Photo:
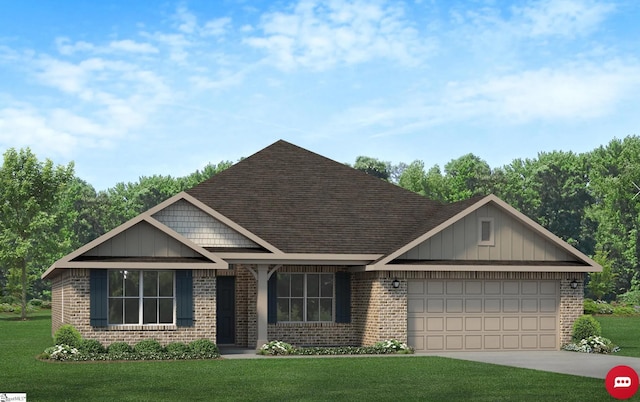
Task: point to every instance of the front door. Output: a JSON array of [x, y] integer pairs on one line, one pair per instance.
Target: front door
[[226, 310]]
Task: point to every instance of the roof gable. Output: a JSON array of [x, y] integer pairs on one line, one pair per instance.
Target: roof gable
[[519, 240], [133, 243]]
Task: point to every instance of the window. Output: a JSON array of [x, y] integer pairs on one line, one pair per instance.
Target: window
[[486, 235], [141, 297], [305, 297]]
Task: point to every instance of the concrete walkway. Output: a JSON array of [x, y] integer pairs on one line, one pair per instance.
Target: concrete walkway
[[581, 364]]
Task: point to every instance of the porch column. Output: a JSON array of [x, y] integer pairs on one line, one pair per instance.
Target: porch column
[[262, 275]]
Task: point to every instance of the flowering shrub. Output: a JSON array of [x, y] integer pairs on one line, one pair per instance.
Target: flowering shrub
[[61, 352], [592, 344], [392, 346], [275, 348]]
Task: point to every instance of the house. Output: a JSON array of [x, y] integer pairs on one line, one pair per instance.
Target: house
[[292, 246]]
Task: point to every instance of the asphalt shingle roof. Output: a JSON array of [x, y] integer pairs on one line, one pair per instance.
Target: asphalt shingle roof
[[302, 202]]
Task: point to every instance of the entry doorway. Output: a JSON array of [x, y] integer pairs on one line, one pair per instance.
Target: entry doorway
[[226, 310]]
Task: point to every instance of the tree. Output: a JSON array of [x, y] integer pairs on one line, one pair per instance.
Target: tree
[[31, 231], [466, 177], [614, 170], [373, 167], [602, 284], [413, 177]]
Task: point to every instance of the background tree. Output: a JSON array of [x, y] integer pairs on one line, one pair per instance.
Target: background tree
[[32, 232], [614, 170], [373, 167]]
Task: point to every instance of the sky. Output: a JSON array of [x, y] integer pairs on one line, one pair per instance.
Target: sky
[[136, 88]]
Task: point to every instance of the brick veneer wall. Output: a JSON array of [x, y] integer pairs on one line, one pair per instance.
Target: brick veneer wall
[[74, 310]]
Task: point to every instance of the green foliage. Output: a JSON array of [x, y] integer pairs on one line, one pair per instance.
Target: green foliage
[[119, 348], [584, 327], [204, 349], [91, 347], [178, 350], [626, 310], [32, 228], [597, 307], [631, 297], [602, 284], [67, 335], [592, 344], [148, 348], [373, 167], [275, 348]]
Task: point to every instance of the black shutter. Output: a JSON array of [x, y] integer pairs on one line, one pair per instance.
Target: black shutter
[[184, 298], [343, 297], [98, 309], [272, 299]]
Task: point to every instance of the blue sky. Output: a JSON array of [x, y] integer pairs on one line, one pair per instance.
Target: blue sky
[[132, 88]]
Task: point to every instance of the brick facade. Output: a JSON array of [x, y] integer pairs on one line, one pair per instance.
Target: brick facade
[[72, 295], [378, 311]]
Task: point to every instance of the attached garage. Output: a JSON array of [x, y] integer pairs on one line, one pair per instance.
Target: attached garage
[[475, 315]]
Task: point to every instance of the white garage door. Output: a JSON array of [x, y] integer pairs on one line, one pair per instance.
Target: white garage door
[[482, 314]]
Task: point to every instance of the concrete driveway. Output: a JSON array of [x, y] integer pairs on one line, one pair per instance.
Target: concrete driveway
[[582, 364]]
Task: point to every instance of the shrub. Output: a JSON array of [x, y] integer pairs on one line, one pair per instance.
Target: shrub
[[624, 310], [392, 346], [119, 348], [592, 344], [274, 348], [61, 352], [35, 302], [597, 307], [631, 298], [586, 326], [91, 347], [148, 348], [178, 350], [204, 349], [6, 308], [46, 304], [67, 335]]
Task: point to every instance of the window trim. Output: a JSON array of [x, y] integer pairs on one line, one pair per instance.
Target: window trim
[[492, 240], [305, 297], [141, 298]]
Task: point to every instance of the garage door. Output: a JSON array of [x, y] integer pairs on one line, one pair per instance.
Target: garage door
[[482, 314]]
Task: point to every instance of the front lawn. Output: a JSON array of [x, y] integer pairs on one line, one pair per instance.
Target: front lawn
[[343, 378], [623, 331]]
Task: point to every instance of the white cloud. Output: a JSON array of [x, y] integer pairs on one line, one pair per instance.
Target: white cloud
[[573, 93], [567, 18], [128, 45], [216, 27], [22, 127], [320, 35]]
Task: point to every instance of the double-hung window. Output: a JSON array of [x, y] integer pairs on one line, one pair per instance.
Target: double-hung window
[[141, 297], [305, 297]]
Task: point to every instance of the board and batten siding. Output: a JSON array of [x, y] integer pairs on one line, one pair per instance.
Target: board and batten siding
[[142, 240], [513, 241]]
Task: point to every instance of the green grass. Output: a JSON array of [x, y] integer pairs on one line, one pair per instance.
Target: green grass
[[277, 379], [623, 331]]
